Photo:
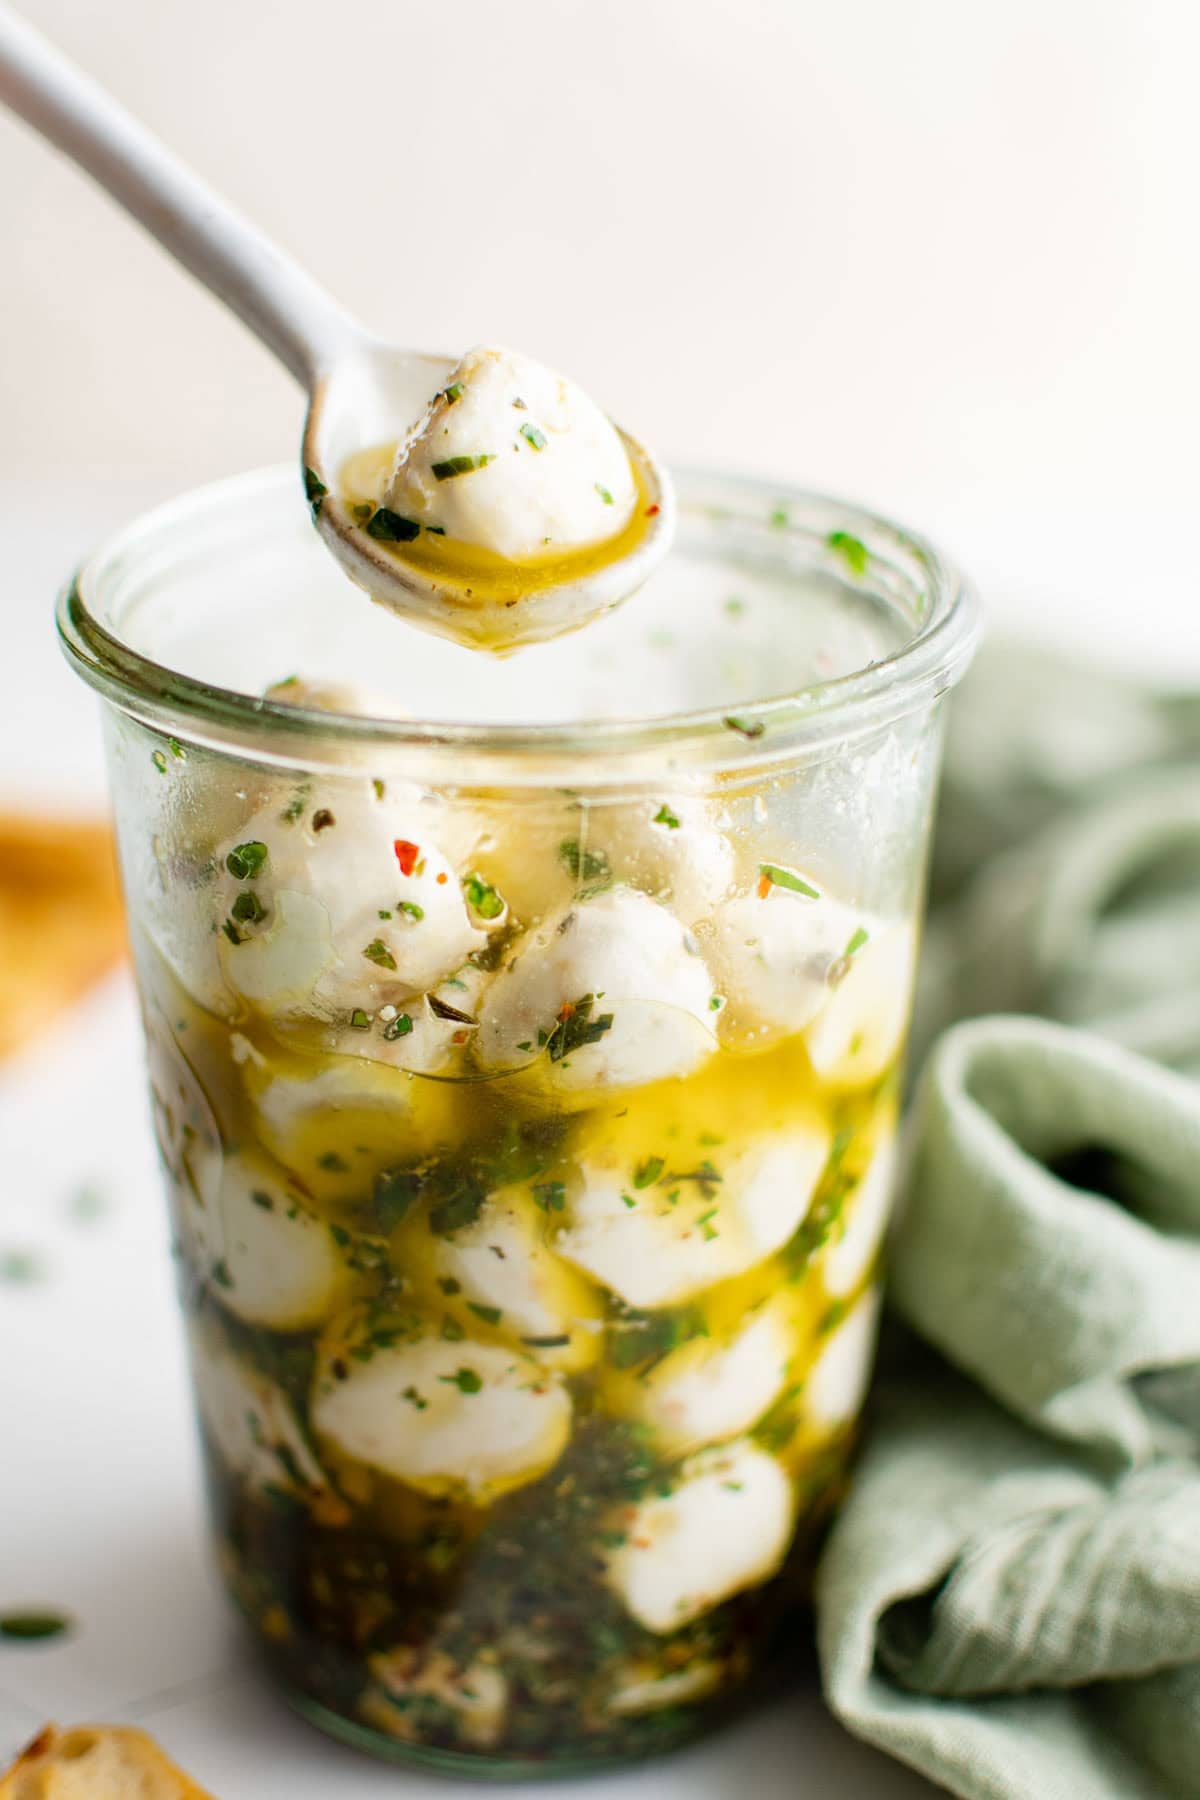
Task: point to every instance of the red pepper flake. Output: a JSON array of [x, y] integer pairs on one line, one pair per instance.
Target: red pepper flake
[[566, 1011], [441, 880], [406, 855], [651, 510], [765, 884], [460, 1037]]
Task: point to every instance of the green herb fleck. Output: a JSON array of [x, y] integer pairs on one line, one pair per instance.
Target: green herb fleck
[[379, 787], [787, 878], [378, 953], [664, 816], [19, 1265], [591, 865], [414, 1399], [558, 1342], [716, 1002], [452, 393], [359, 1020], [248, 908], [576, 1028], [535, 438], [551, 1196], [32, 1627], [246, 862], [159, 761], [459, 465], [220, 1273], [491, 1315], [735, 606], [482, 897], [314, 489], [335, 1164], [260, 1198], [856, 942], [177, 750], [604, 493], [779, 518], [452, 1331], [410, 909], [394, 1192], [448, 1285], [231, 932], [648, 1172], [389, 527], [341, 1236], [852, 551], [398, 1027], [466, 1381], [747, 728]]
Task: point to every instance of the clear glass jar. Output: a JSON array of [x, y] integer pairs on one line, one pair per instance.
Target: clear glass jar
[[526, 1092]]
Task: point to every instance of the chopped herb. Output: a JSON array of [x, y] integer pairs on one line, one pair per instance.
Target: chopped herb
[[262, 1199], [664, 816], [852, 551], [856, 942], [525, 1044], [576, 1028], [460, 1208], [559, 1341], [491, 1315], [177, 750], [855, 1044], [604, 493], [535, 438], [592, 865], [448, 1285], [359, 1020], [361, 510], [246, 862], [378, 953], [410, 909], [383, 913], [32, 1627], [705, 1223], [482, 897], [775, 876], [220, 1273], [551, 1196], [644, 1337], [648, 1172], [716, 1002], [389, 527], [466, 1381], [441, 1009], [231, 932], [414, 1399], [19, 1265], [747, 728], [248, 908], [379, 786], [778, 518], [459, 465], [452, 393], [314, 489], [159, 761], [436, 530], [735, 606], [340, 1236], [398, 1027], [452, 1331], [329, 1159], [394, 1192], [629, 1201]]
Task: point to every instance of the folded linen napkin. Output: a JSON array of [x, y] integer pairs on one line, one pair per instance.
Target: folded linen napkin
[[1010, 1601]]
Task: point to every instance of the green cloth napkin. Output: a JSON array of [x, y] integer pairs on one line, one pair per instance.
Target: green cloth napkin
[[1010, 1601]]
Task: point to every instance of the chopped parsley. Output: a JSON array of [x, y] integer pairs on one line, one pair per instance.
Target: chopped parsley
[[177, 750], [452, 1331], [775, 876], [591, 865], [246, 862], [335, 1164], [482, 897], [262, 1199], [389, 527], [394, 1193], [491, 1315], [664, 816], [604, 493], [159, 761], [576, 1028], [460, 465], [410, 909], [533, 437], [249, 908], [716, 1002], [551, 1196], [852, 550], [747, 728], [779, 518], [314, 489], [448, 1285], [231, 932], [414, 1399], [559, 1341], [646, 1337], [398, 1027], [466, 1381], [378, 953], [452, 393], [856, 942], [32, 1627], [648, 1172], [379, 786]]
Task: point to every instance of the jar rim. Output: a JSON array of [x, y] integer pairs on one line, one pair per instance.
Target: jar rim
[[910, 678]]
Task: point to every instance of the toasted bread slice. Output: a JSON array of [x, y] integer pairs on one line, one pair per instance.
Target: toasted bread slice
[[96, 1762], [61, 925]]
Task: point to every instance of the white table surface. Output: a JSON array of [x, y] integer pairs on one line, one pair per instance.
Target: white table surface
[[100, 1497]]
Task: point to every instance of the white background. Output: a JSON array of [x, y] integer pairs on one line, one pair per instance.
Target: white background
[[940, 255]]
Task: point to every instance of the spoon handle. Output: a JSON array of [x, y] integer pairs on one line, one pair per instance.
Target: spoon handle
[[293, 316]]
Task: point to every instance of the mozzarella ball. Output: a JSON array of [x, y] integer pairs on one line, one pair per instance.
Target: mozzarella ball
[[709, 1390], [613, 991], [475, 1695], [339, 1120], [514, 459], [724, 1527], [502, 1262], [659, 1215], [859, 1031], [837, 1381], [346, 905], [466, 1419], [269, 1258], [642, 1686], [249, 1422], [776, 956], [850, 1255]]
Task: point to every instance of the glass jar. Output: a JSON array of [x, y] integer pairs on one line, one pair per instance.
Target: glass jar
[[526, 1090]]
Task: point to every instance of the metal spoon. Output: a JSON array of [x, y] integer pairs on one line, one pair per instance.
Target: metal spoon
[[361, 391]]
